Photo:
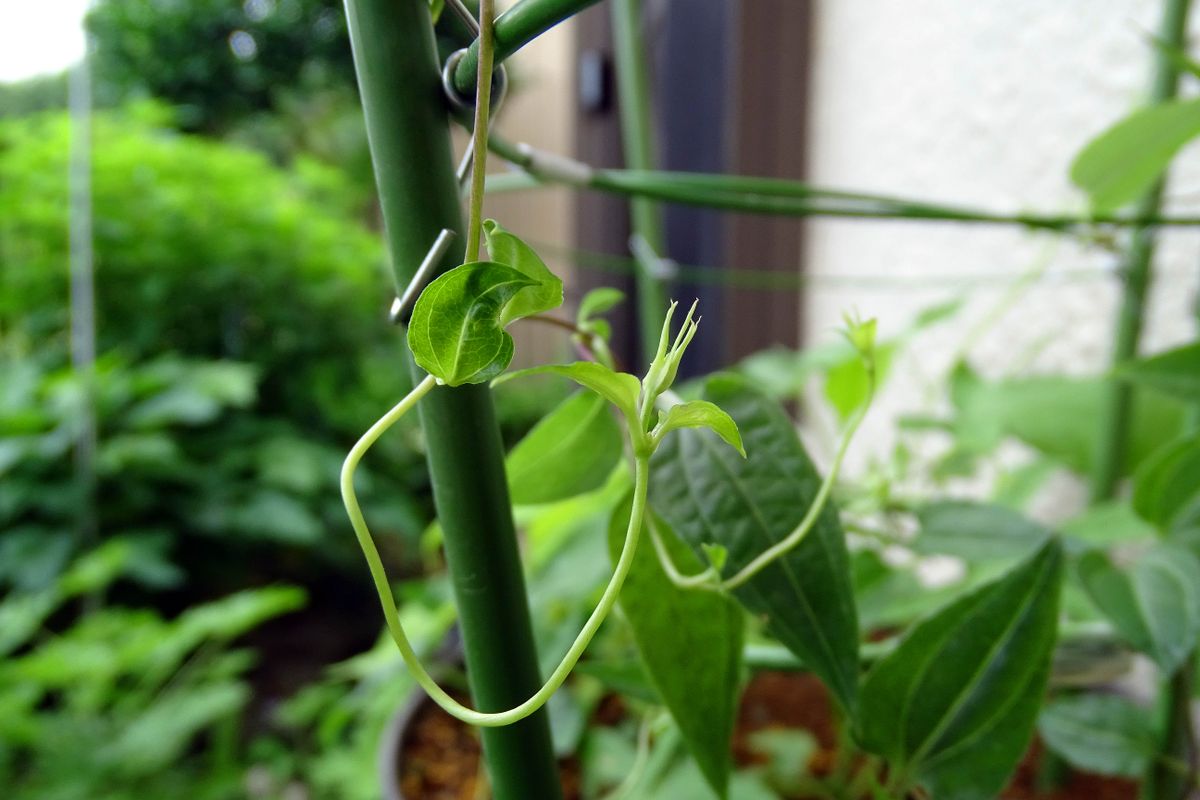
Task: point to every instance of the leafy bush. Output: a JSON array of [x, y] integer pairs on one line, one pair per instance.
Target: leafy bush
[[217, 60], [112, 705]]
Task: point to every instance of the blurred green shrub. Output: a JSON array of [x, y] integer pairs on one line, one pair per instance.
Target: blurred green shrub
[[113, 705], [218, 60], [240, 318]]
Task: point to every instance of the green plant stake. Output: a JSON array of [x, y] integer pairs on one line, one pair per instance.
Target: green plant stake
[[637, 135], [410, 145], [457, 333], [1137, 272]]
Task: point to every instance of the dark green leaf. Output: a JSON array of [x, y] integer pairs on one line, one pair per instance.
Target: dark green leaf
[[703, 414], [1124, 161], [691, 644], [570, 451], [953, 707], [976, 531], [1166, 488], [455, 334], [619, 388], [1154, 604], [1104, 734], [546, 291], [711, 495]]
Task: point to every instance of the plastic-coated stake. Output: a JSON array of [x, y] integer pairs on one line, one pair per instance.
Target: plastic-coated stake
[[399, 83]]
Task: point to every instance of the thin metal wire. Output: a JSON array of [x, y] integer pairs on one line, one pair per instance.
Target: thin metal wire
[[402, 304], [463, 13]]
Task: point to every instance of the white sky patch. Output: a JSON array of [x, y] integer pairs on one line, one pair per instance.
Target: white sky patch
[[39, 36]]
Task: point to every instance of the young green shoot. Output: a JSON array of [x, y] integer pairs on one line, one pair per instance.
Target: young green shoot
[[861, 336]]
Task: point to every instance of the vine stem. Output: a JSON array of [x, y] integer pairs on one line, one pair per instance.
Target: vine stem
[[479, 135], [388, 600], [710, 580]]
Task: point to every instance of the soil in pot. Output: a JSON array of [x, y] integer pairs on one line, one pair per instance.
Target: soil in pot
[[440, 759]]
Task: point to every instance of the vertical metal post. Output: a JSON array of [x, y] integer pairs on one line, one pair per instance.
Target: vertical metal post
[[637, 131], [82, 288], [1136, 274], [398, 77]]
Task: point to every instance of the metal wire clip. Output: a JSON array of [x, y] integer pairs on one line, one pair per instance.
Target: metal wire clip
[[402, 305]]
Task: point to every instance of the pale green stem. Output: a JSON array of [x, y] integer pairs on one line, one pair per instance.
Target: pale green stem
[[704, 580], [388, 600], [483, 99], [637, 770]]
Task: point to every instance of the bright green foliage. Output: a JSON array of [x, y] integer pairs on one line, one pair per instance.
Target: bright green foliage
[[953, 707], [1105, 524], [976, 531], [455, 334], [709, 494], [1101, 733], [1175, 372], [1154, 604], [701, 414], [619, 388], [691, 645], [545, 294], [1166, 488], [291, 44], [206, 250], [1123, 162], [1056, 415], [571, 451], [123, 695]]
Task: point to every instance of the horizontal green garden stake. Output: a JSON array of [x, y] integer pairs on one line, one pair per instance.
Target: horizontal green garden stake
[[516, 28], [780, 197]]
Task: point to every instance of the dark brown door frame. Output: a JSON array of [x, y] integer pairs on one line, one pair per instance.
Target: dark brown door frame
[[752, 82]]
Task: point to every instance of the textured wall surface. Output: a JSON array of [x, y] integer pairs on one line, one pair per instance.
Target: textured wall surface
[[982, 102]]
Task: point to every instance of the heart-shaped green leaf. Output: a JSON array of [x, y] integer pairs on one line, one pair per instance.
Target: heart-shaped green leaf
[[702, 414], [691, 645], [619, 388], [546, 289], [455, 334], [1124, 161], [711, 495], [570, 451], [1154, 604], [953, 706]]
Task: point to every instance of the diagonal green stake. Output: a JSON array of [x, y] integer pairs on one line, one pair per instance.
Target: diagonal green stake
[[398, 79]]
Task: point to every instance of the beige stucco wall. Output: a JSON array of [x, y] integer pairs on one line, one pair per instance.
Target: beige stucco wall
[[982, 102]]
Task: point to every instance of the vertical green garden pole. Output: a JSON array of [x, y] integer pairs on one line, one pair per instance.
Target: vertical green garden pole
[[1136, 272], [637, 133], [399, 82]]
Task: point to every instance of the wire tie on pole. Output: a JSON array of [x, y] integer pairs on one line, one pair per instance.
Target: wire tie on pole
[[463, 13], [402, 305], [656, 266], [459, 102], [556, 167]]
